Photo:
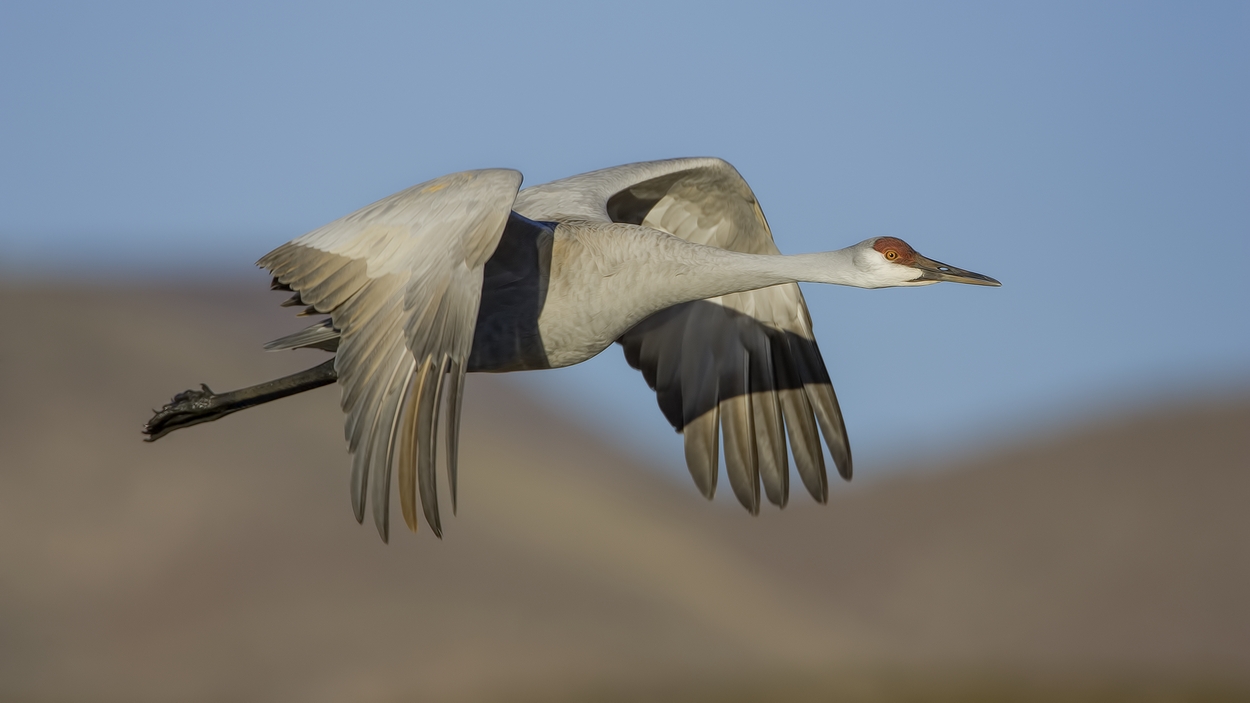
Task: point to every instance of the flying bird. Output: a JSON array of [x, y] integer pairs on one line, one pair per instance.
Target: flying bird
[[671, 259]]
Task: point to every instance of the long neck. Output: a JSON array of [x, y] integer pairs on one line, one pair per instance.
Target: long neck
[[704, 272], [604, 278]]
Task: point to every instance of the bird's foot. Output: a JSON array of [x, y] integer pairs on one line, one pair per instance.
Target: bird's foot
[[188, 408], [195, 407]]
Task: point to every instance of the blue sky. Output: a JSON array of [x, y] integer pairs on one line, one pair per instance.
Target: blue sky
[[1095, 157]]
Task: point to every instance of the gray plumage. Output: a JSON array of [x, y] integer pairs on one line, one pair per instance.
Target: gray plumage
[[672, 259]]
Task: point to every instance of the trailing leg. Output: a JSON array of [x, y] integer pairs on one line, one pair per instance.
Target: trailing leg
[[194, 407]]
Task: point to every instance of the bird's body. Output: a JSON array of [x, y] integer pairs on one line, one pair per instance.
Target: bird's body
[[591, 282], [672, 259]]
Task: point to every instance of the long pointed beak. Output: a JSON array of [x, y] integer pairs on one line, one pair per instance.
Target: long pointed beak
[[931, 270]]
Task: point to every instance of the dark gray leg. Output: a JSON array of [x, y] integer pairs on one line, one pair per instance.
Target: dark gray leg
[[194, 407]]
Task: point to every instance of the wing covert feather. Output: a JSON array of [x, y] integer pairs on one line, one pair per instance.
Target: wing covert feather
[[745, 363]]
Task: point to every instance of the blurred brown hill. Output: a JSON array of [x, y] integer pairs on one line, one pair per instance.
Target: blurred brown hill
[[223, 563]]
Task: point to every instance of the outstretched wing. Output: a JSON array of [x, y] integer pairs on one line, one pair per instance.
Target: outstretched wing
[[744, 364], [401, 280]]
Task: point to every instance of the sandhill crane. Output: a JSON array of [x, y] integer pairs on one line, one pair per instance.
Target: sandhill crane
[[672, 259]]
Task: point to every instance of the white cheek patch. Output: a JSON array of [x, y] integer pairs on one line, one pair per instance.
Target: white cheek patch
[[873, 270], [886, 274], [906, 275]]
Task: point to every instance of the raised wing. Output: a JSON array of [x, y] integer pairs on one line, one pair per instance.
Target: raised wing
[[401, 280], [745, 364]]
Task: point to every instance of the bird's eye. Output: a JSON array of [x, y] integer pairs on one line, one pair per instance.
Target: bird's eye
[[890, 254]]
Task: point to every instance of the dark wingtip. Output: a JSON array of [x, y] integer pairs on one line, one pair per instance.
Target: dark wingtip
[[842, 458], [706, 488], [431, 516]]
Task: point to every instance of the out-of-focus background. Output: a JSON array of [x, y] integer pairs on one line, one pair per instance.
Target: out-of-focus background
[[1051, 497]]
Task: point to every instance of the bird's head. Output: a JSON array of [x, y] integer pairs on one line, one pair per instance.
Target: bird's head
[[888, 261]]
